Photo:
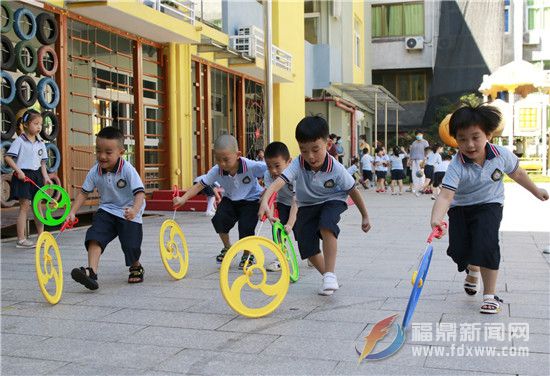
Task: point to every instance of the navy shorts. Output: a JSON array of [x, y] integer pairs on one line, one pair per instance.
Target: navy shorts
[[230, 212], [284, 212], [367, 175], [106, 227], [21, 190], [397, 175], [429, 171], [381, 174], [473, 235], [438, 178], [311, 219]]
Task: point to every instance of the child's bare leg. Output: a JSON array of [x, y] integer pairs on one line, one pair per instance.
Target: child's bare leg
[[94, 253], [400, 182], [489, 277], [225, 240], [24, 206], [392, 186], [318, 262], [39, 225], [329, 249]]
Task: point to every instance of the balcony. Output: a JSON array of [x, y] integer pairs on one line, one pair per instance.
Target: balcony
[[159, 21], [252, 46]]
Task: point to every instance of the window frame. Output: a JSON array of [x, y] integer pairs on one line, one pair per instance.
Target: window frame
[[385, 32]]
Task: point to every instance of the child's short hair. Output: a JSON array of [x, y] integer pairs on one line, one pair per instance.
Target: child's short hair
[[354, 160], [365, 151], [447, 156], [226, 142], [378, 149], [396, 151], [417, 132], [112, 133], [26, 119], [427, 148], [311, 128], [435, 147], [277, 149], [486, 117]]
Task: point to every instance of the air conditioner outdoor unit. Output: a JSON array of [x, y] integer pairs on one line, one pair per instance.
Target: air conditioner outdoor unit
[[531, 37], [414, 43]]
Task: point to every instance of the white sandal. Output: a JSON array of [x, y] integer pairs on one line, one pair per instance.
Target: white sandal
[[470, 287], [491, 304], [25, 243]]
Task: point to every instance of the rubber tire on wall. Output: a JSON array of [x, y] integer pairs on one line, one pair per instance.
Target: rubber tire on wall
[[8, 64], [19, 13], [9, 13], [18, 88], [19, 57], [41, 93], [42, 52], [8, 78], [5, 145], [8, 114], [6, 190], [57, 154], [55, 126], [41, 20]]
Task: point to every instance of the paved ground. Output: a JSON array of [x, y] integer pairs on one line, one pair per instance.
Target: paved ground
[[185, 327]]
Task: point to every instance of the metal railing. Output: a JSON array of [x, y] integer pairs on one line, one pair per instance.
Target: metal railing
[[180, 9], [253, 46]]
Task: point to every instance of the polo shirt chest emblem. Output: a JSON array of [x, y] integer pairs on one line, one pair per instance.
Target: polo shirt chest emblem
[[40, 152], [290, 187], [121, 183], [246, 179], [329, 183], [497, 175]]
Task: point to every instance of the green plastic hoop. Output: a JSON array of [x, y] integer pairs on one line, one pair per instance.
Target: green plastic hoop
[[281, 238], [64, 202]]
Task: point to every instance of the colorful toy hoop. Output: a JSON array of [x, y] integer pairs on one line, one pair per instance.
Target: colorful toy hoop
[[171, 249], [64, 202], [232, 294], [284, 241], [43, 275]]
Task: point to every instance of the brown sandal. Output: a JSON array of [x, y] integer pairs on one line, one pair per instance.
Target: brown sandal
[[136, 272]]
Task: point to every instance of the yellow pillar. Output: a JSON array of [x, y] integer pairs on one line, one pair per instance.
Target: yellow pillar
[[288, 98], [180, 117]]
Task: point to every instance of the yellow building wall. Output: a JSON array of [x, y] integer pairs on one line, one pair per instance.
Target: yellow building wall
[[288, 98], [359, 16]]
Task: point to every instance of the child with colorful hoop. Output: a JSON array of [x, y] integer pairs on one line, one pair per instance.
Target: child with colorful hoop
[[31, 155]]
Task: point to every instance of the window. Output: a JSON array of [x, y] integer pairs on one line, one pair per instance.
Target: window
[[398, 20], [312, 22], [357, 32], [506, 16], [407, 86], [538, 15]]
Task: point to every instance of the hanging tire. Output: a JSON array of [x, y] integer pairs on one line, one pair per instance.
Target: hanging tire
[[11, 84], [20, 91], [52, 166], [5, 145], [43, 36], [17, 17], [8, 118], [8, 54], [49, 117], [9, 17], [5, 202], [48, 81], [42, 68], [20, 59]]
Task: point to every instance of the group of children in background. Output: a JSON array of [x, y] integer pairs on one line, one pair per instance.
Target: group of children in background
[[313, 190]]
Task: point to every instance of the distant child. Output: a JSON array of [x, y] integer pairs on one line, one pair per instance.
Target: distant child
[[439, 173], [397, 173], [121, 206], [322, 187], [381, 163], [31, 156], [473, 189], [238, 176], [433, 158], [210, 196], [277, 158], [260, 155], [353, 169], [366, 168]]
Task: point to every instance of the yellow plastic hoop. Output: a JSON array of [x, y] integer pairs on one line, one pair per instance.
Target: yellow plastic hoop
[[232, 294], [43, 275], [172, 248]]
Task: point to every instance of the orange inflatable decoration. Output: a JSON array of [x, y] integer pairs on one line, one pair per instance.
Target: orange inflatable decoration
[[444, 134]]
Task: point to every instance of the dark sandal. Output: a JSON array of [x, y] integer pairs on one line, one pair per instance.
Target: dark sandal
[[86, 277], [136, 272]]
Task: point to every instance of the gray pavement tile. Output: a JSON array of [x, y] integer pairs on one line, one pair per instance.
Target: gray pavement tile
[[215, 363], [540, 326], [103, 353], [168, 319], [71, 312], [214, 340], [23, 295], [541, 311], [144, 302], [383, 368], [12, 365], [12, 342], [537, 343]]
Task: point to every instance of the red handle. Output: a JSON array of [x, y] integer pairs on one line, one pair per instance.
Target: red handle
[[270, 203], [437, 232], [175, 191], [68, 224]]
